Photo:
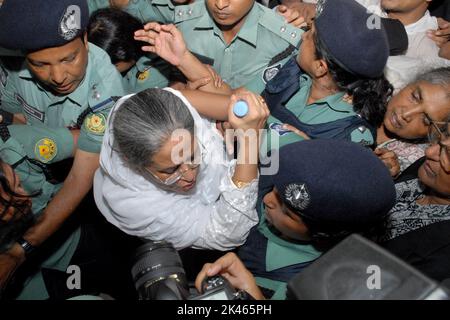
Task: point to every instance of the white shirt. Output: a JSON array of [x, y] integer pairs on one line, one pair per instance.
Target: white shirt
[[214, 215], [422, 54]]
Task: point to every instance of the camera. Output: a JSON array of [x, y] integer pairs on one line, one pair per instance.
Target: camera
[[158, 274]]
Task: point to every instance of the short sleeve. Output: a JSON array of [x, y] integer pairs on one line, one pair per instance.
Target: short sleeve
[[48, 145]]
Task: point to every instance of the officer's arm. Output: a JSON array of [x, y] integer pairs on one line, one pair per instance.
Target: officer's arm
[[75, 187], [167, 42]]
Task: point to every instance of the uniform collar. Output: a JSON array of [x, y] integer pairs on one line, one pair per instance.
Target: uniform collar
[[334, 101], [248, 32]]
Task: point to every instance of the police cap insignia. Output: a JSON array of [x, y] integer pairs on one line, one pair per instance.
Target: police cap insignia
[[297, 196]]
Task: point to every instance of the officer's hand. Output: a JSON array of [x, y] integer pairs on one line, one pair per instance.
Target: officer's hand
[[165, 40], [292, 16], [442, 35], [231, 268], [390, 160], [9, 262], [305, 10], [296, 131], [444, 52], [215, 77]]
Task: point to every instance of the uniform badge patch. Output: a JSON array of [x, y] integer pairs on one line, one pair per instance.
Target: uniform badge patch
[[45, 150], [70, 23], [279, 129], [270, 72], [143, 75], [95, 123], [298, 196]]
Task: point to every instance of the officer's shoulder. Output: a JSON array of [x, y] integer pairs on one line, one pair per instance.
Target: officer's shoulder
[[97, 56], [191, 11], [275, 24]]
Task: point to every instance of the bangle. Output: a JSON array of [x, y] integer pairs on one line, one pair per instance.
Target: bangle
[[240, 184], [26, 246]]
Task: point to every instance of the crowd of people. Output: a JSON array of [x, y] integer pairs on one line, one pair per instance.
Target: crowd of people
[[118, 127]]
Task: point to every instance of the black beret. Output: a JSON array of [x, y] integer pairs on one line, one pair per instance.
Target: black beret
[[345, 28], [37, 24], [334, 185]]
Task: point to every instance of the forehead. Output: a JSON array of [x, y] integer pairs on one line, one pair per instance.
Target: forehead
[[57, 53], [175, 151], [436, 99]]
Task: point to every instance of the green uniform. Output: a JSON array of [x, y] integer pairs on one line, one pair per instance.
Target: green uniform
[[47, 138], [252, 53], [279, 257], [322, 111], [144, 10], [19, 150], [147, 73], [280, 254], [22, 94]]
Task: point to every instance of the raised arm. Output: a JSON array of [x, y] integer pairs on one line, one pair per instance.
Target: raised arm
[[167, 42]]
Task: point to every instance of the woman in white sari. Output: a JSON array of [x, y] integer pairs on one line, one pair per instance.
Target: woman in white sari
[[164, 173]]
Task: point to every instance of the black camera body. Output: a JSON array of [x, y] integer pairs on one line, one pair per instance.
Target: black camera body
[[158, 274]]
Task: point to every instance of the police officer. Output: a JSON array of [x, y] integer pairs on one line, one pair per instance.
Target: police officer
[[112, 30], [240, 39], [302, 216], [331, 91], [66, 84]]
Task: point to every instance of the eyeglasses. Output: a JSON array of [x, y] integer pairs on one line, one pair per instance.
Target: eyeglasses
[[439, 133], [179, 173]]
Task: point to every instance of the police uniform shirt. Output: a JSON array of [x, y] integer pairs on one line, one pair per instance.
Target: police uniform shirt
[[321, 111], [147, 73], [144, 10], [281, 253], [22, 94], [24, 145], [262, 37]]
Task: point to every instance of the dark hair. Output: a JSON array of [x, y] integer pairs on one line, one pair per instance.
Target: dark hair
[[22, 217], [113, 31], [370, 95]]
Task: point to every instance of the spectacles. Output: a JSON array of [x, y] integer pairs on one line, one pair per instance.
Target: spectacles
[[179, 173], [439, 133]]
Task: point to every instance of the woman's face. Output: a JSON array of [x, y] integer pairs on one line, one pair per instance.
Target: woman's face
[[307, 52], [282, 218], [16, 187], [435, 172], [407, 112], [179, 157]]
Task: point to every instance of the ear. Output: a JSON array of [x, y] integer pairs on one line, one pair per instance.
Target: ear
[[320, 68]]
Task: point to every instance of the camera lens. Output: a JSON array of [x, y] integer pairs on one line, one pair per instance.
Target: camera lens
[[158, 272]]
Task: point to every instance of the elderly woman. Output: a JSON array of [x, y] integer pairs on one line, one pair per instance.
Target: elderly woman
[[417, 227], [401, 137], [164, 172]]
